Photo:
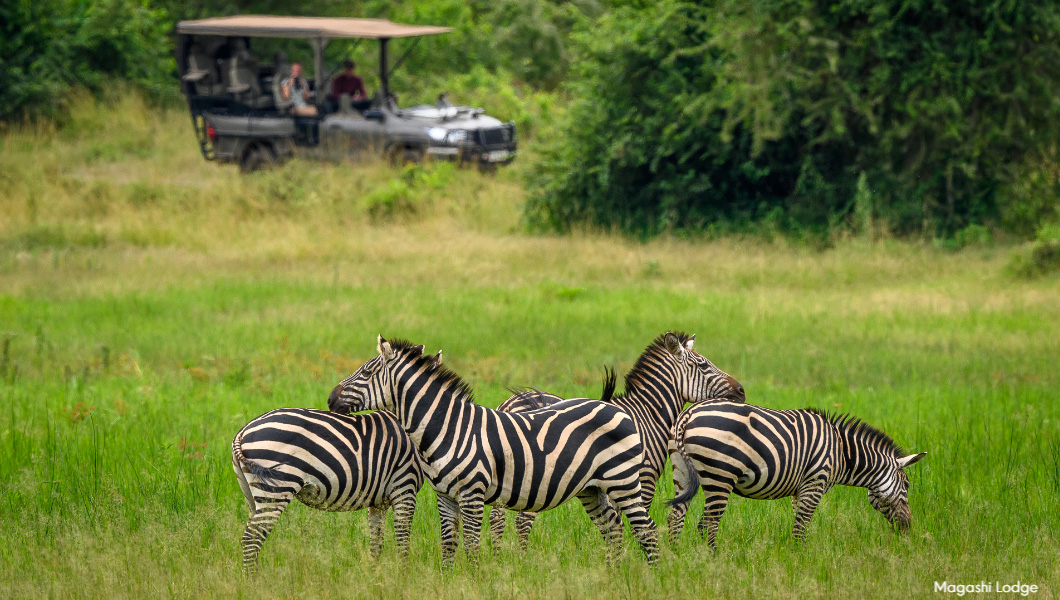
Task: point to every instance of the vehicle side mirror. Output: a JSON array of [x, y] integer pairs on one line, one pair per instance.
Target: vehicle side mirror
[[375, 115]]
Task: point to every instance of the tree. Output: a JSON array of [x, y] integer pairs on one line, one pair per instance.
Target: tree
[[716, 114]]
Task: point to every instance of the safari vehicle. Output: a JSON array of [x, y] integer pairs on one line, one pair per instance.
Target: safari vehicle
[[240, 114]]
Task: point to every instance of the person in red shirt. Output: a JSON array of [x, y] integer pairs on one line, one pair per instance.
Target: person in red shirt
[[348, 83]]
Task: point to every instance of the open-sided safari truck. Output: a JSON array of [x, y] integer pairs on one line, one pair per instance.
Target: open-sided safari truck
[[241, 115]]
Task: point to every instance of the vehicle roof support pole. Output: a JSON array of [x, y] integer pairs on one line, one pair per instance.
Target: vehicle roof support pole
[[384, 72], [318, 66]]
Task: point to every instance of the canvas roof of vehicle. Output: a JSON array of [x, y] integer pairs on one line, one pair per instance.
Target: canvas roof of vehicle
[[305, 27]]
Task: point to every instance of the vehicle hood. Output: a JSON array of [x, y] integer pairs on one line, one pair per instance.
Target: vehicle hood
[[450, 117]]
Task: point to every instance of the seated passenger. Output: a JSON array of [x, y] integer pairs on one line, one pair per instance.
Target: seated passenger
[[348, 83], [295, 89]]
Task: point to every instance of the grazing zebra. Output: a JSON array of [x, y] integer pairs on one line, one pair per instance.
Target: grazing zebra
[[474, 455], [328, 461], [668, 374], [726, 447]]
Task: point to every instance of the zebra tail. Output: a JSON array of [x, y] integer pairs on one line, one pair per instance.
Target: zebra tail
[[693, 483], [532, 397], [267, 475], [610, 380]]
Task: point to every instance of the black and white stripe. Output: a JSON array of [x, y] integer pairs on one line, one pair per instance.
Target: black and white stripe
[[726, 447], [530, 461], [668, 374], [328, 461]]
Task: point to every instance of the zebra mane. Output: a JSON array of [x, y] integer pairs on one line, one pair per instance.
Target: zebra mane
[[849, 424], [441, 373], [399, 344], [656, 348]]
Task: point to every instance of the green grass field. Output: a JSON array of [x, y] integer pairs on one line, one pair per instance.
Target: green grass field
[[151, 304]]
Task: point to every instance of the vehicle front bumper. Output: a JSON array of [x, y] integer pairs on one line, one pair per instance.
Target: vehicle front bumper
[[495, 146]]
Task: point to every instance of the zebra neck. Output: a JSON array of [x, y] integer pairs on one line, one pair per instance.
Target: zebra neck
[[429, 408], [652, 383], [660, 397], [861, 463]]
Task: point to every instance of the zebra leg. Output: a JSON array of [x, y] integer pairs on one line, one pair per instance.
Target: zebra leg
[[404, 509], [447, 516], [497, 525], [471, 508], [647, 492], [244, 486], [805, 503], [675, 521], [605, 518], [376, 518], [260, 524], [628, 502], [683, 473], [717, 499], [524, 523]]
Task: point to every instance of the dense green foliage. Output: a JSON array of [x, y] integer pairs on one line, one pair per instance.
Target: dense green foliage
[[48, 48], [713, 114], [811, 116]]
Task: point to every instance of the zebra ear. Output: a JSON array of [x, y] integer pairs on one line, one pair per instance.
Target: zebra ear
[[674, 346], [384, 348], [436, 361], [912, 459], [690, 342]]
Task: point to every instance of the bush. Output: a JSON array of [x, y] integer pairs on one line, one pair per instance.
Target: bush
[[404, 197], [1040, 257], [695, 116]]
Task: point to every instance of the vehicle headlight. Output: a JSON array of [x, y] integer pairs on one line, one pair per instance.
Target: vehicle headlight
[[436, 133]]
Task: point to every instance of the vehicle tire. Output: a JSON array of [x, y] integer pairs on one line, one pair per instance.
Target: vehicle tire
[[403, 155], [256, 158]]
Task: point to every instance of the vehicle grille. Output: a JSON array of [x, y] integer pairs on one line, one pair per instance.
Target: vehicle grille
[[494, 137]]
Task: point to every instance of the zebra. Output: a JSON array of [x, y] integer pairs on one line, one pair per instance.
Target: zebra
[[757, 452], [667, 374], [534, 461], [328, 461]]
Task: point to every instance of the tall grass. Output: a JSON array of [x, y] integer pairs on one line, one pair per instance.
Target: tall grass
[[151, 304]]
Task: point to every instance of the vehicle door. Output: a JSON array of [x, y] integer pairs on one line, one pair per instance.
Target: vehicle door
[[352, 136]]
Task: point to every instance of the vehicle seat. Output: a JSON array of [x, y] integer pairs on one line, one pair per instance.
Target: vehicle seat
[[202, 72], [243, 80], [283, 71], [349, 108]]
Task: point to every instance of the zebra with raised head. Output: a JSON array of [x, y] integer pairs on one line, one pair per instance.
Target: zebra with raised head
[[474, 455], [755, 452], [328, 461], [668, 374]]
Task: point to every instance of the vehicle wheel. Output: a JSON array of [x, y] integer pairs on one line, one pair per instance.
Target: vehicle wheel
[[466, 161], [403, 155], [256, 158]]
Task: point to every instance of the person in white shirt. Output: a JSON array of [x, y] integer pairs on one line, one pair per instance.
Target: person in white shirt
[[295, 89]]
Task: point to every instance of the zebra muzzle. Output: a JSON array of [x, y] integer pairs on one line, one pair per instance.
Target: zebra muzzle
[[334, 401], [736, 391]]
